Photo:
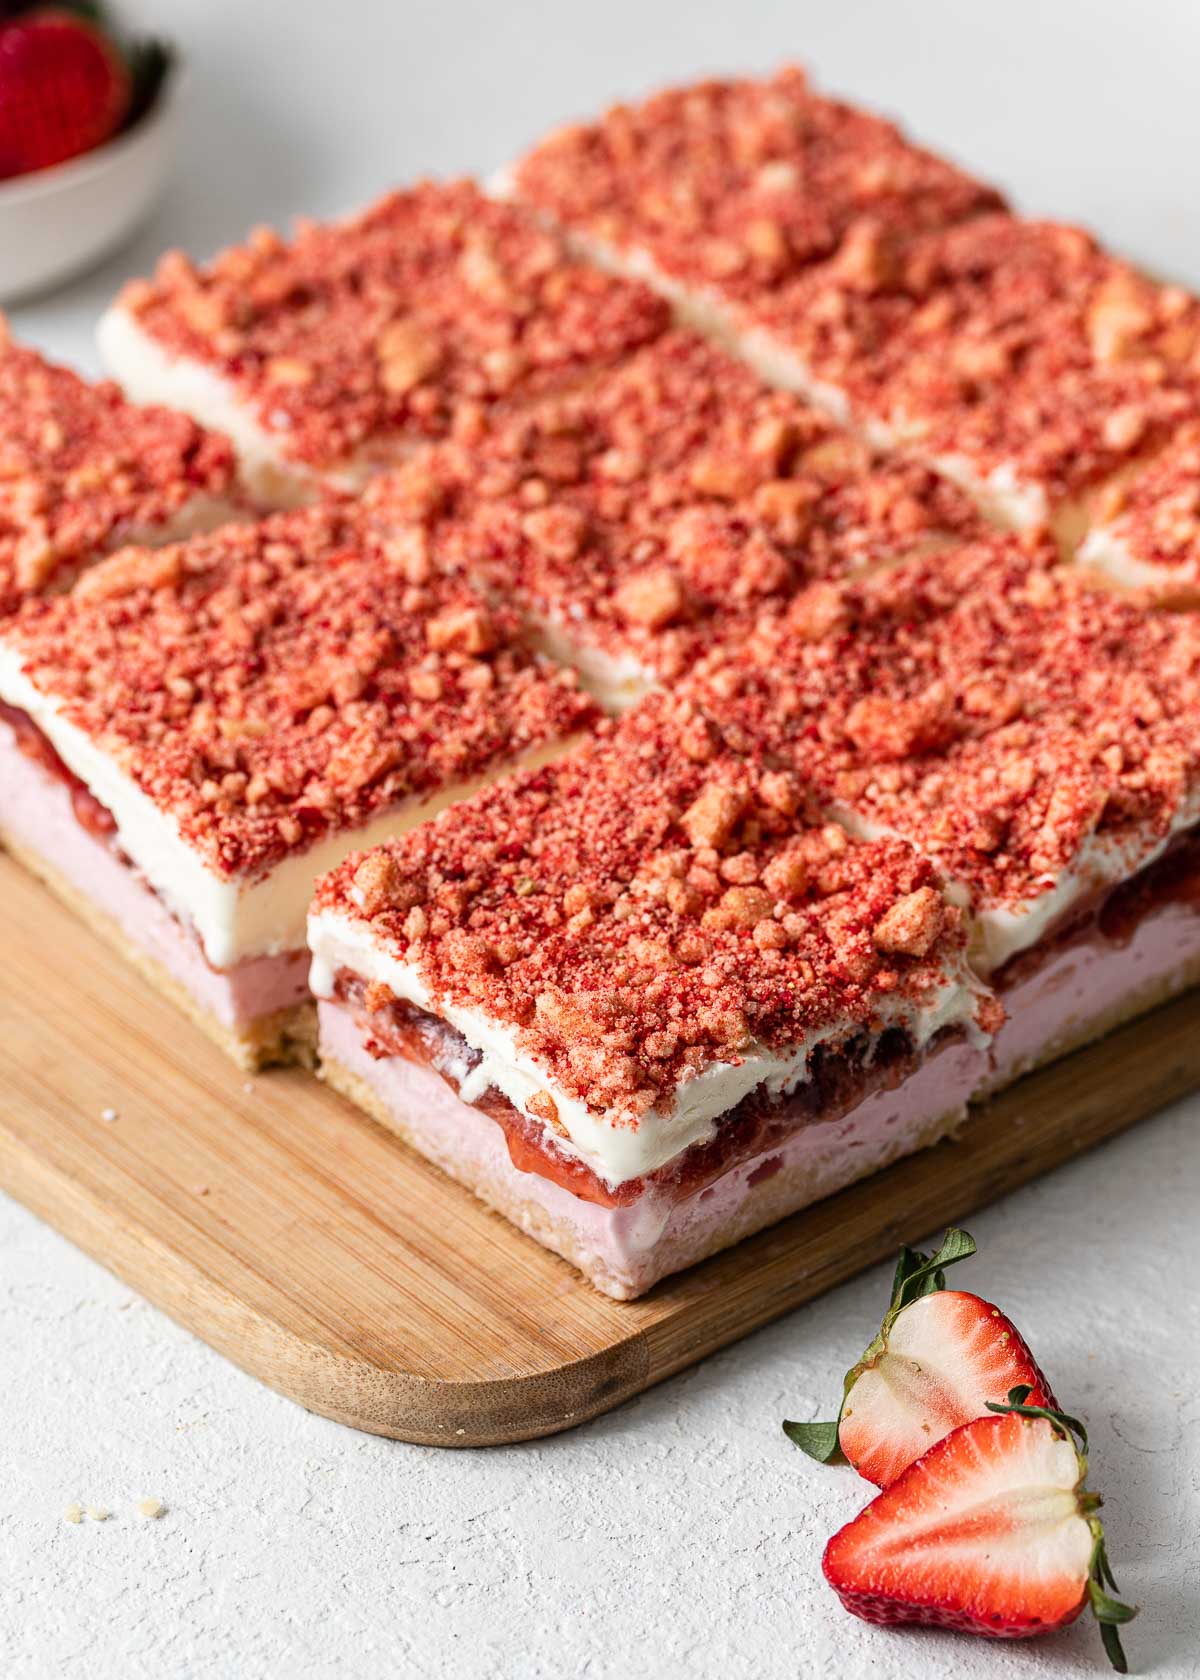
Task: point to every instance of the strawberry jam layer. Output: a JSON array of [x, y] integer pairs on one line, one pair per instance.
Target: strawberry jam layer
[[97, 819], [838, 1080]]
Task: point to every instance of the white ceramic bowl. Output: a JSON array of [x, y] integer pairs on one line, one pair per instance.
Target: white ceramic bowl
[[56, 222]]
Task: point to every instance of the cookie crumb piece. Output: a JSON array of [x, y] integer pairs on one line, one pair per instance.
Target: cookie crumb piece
[[151, 1507], [912, 925], [98, 1513], [73, 1514]]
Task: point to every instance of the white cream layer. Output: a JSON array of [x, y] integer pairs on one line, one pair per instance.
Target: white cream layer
[[201, 513], [615, 681], [233, 918], [613, 1149], [1001, 495], [1104, 549]]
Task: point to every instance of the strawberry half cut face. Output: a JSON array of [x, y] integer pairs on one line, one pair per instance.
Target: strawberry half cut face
[[934, 1367], [940, 1357], [991, 1532]]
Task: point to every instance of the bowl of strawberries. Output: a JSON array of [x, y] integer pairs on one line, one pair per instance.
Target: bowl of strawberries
[[87, 121]]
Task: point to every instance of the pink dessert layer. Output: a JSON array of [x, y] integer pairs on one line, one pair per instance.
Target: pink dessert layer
[[1087, 982], [38, 816], [624, 1250]]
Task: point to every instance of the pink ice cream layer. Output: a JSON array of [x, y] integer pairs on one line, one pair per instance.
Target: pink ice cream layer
[[621, 1249], [36, 814], [1087, 982]]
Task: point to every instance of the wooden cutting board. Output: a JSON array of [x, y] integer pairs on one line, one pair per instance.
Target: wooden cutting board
[[310, 1247]]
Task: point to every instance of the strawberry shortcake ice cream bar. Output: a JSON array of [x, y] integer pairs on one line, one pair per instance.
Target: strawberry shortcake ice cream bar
[[1031, 732], [83, 472], [1146, 534], [662, 506], [195, 733], [331, 356], [645, 1001], [840, 260]]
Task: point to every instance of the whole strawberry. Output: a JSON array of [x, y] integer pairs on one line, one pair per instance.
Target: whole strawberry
[[992, 1531], [64, 89], [940, 1357]]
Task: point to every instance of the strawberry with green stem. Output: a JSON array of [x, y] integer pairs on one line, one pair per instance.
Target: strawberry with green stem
[[941, 1356], [992, 1531]]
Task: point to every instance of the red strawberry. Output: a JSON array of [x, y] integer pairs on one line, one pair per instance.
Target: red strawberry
[[64, 89], [941, 1355], [991, 1532]]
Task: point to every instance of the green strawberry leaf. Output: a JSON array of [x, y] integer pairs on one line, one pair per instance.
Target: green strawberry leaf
[[1108, 1611], [911, 1260], [1016, 1403], [150, 62], [818, 1440], [1111, 1640], [924, 1274]]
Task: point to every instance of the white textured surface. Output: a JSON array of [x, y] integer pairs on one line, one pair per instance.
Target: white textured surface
[[682, 1534], [679, 1536]]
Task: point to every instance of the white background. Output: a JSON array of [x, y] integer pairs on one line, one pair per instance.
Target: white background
[[682, 1534]]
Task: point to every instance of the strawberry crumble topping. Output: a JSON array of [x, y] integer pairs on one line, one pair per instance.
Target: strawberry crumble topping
[[81, 469], [1000, 712], [1018, 346], [652, 904], [272, 683], [661, 506], [1016, 355], [360, 338], [738, 185]]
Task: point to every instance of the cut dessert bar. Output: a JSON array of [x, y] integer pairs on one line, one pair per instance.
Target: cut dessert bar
[[330, 357], [82, 472], [642, 1002], [846, 263], [1017, 357], [661, 507], [1035, 735], [195, 733], [723, 190]]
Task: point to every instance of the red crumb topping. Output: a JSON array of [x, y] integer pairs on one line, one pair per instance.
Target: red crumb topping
[[889, 275], [1010, 344], [663, 505], [651, 904], [81, 469], [738, 185], [270, 684], [996, 711], [410, 321], [1154, 517]]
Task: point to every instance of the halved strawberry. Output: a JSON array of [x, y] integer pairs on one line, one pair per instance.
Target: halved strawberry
[[990, 1532], [940, 1356]]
